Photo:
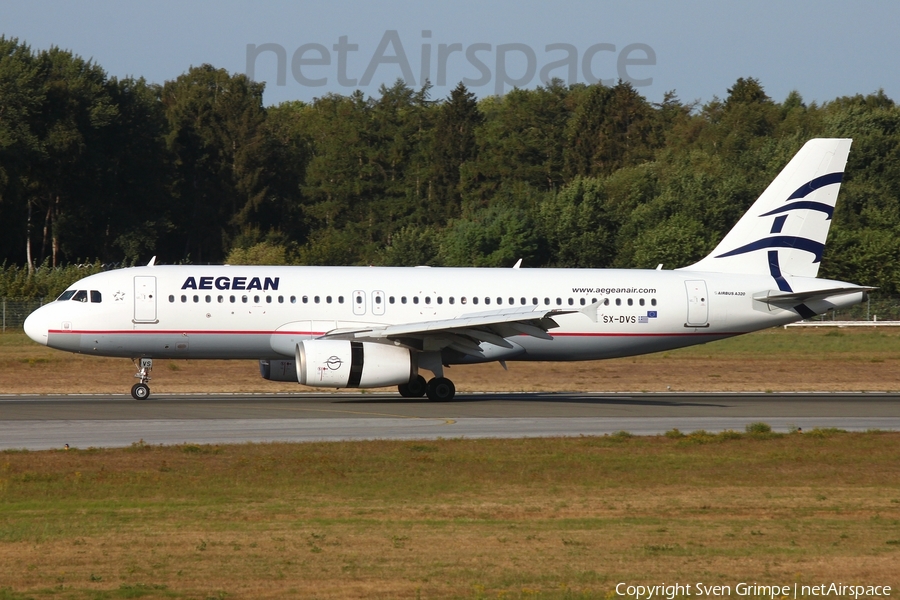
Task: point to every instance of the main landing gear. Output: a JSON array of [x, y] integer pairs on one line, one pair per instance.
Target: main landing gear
[[439, 389], [141, 391]]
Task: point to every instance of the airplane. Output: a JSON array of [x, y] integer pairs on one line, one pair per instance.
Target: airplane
[[369, 327]]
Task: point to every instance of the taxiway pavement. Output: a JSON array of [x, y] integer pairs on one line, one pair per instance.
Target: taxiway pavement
[[45, 422]]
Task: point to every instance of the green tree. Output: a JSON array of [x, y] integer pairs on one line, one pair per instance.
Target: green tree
[[21, 99], [521, 141], [611, 128], [215, 134], [65, 182], [493, 237], [453, 145], [577, 225]]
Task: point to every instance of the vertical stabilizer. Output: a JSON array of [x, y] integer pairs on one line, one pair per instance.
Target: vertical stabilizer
[[783, 233]]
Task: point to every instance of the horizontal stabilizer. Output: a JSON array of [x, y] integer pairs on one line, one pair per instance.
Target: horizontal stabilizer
[[792, 298]]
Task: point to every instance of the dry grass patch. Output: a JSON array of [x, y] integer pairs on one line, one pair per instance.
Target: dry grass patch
[[512, 518]]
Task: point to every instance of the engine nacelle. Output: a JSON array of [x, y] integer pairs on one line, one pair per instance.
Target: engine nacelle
[[278, 370], [347, 364]]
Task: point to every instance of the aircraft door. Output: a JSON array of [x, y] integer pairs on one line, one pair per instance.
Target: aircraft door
[[377, 303], [145, 299], [698, 303], [359, 302]]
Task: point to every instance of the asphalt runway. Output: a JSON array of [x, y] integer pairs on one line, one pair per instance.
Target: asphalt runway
[[82, 421]]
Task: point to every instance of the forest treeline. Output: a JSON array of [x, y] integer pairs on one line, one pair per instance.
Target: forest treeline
[[197, 169]]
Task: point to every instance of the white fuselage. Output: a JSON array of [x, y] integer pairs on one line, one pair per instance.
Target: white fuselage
[[250, 312]]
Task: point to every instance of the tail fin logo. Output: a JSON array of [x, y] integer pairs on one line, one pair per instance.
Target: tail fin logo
[[816, 248], [788, 241], [806, 189]]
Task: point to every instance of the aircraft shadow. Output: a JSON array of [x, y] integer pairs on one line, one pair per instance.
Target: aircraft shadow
[[532, 397]]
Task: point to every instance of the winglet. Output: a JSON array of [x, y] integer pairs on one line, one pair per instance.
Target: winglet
[[152, 262], [518, 264]]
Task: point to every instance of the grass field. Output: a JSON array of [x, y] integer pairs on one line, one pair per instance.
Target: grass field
[[853, 359], [548, 518]]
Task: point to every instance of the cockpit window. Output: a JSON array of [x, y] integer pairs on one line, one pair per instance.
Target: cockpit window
[[66, 295], [80, 296], [95, 296]]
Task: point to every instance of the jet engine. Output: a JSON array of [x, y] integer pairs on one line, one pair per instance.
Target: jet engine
[[348, 364]]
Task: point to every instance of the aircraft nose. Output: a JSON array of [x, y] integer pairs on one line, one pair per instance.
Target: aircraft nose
[[36, 326]]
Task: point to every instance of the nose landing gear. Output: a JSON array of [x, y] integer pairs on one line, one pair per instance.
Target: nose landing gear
[[141, 391]]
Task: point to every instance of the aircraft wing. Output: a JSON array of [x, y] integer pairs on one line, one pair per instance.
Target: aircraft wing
[[463, 333]]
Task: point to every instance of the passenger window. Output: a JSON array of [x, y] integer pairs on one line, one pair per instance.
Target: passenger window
[[415, 299], [358, 299], [184, 298], [268, 299], [618, 302], [293, 299], [208, 299], [462, 300], [391, 300], [316, 299], [499, 301], [244, 299], [196, 298], [534, 301], [403, 300], [571, 302], [630, 302], [641, 301], [66, 295], [427, 299], [652, 301], [171, 298], [221, 299], [280, 299], [512, 301], [440, 300], [474, 299], [341, 299], [95, 296], [255, 299], [305, 299], [487, 300], [80, 296], [231, 299], [558, 301], [328, 299], [606, 302], [583, 302], [547, 301], [452, 300]]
